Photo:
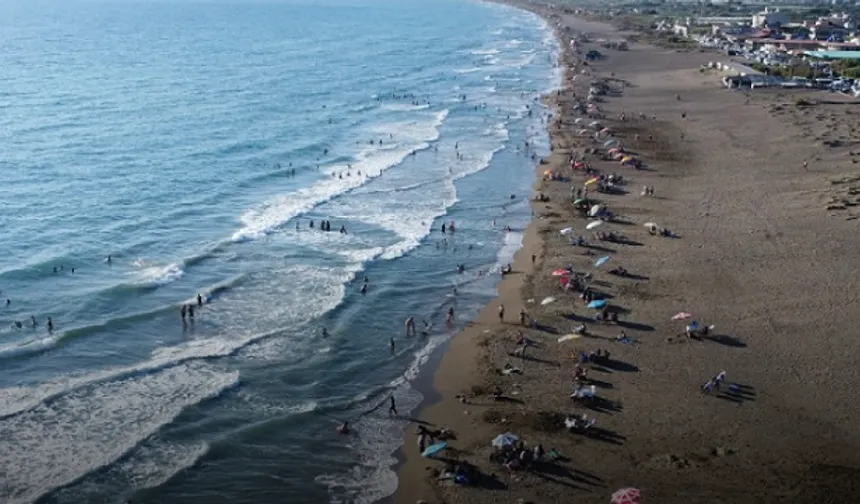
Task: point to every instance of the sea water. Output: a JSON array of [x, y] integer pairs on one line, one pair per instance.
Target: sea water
[[194, 143]]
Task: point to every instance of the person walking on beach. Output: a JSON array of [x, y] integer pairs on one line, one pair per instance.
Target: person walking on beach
[[449, 318], [410, 326], [392, 408], [502, 313], [805, 165]]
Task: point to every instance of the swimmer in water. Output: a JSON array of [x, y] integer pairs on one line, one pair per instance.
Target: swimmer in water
[[410, 327], [199, 301], [343, 428], [325, 333], [364, 289], [391, 343], [33, 321], [449, 317], [50, 325]]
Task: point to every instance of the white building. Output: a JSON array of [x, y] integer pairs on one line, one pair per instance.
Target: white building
[[770, 18]]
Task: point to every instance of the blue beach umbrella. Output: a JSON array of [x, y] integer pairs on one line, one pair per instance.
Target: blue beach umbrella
[[600, 262], [597, 303], [433, 449]]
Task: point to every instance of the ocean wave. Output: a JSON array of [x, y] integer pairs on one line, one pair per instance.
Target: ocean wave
[[484, 52], [57, 443], [372, 162], [404, 107]]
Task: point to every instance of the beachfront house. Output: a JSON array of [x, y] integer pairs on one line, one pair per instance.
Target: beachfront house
[[769, 18]]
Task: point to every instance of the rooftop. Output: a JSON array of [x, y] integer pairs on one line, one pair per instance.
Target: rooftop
[[844, 55]]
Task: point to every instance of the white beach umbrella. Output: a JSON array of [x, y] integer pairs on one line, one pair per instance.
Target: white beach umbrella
[[594, 224], [596, 209]]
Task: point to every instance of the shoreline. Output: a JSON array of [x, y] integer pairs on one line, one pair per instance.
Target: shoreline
[[440, 378], [769, 429]]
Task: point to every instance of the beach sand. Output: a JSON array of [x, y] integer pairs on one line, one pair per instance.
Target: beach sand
[[765, 253]]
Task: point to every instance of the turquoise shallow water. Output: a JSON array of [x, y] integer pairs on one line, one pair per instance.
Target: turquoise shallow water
[[166, 135]]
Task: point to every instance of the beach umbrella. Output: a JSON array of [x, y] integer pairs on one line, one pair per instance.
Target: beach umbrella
[[580, 201], [596, 209], [682, 315], [618, 155], [506, 439], [626, 159], [614, 150], [600, 262], [626, 496], [547, 301], [594, 124], [610, 142], [433, 449], [650, 225], [592, 180], [594, 224], [597, 304], [582, 132], [566, 230], [560, 272], [547, 172], [568, 337], [606, 130], [578, 120]]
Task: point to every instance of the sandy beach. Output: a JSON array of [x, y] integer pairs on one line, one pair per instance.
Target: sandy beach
[[762, 250]]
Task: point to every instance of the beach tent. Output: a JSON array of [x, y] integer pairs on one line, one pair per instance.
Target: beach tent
[[506, 439], [626, 496], [433, 449], [597, 304]]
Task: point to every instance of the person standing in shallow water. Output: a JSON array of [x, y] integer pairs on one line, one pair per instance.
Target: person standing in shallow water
[[199, 300], [392, 409], [182, 310]]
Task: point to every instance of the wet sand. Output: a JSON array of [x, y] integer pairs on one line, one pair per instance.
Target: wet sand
[[765, 252]]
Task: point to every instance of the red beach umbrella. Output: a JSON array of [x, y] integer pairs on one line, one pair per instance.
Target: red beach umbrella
[[626, 496]]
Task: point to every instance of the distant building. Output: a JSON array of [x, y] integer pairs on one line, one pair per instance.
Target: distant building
[[770, 18]]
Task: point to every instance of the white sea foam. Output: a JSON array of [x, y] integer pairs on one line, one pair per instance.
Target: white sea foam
[[484, 52], [57, 442], [153, 276], [410, 136], [404, 107]]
